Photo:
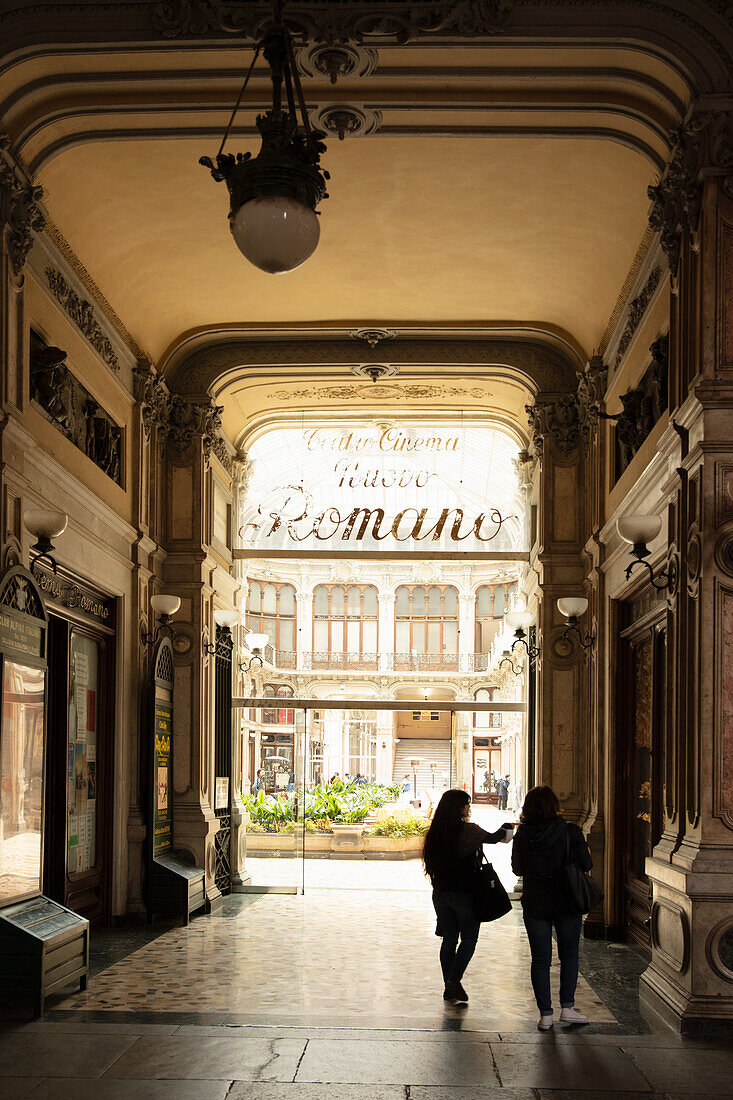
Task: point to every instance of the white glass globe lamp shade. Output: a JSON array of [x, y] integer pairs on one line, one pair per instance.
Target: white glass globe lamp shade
[[256, 641], [275, 233], [45, 523], [572, 607], [638, 528], [519, 620], [225, 617], [165, 605]]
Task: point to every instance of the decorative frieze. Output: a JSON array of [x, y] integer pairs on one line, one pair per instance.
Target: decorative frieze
[[637, 309], [82, 314], [701, 146], [558, 419], [20, 213], [70, 407], [323, 21]]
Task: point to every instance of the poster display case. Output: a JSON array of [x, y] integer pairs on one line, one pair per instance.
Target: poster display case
[[176, 888], [43, 946]]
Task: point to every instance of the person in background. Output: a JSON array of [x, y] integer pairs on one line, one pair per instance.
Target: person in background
[[539, 855], [361, 779], [502, 790], [259, 783], [335, 778], [517, 799], [451, 856], [291, 781], [406, 785]]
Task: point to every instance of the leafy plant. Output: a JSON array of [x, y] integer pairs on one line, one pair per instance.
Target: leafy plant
[[323, 805], [400, 827]]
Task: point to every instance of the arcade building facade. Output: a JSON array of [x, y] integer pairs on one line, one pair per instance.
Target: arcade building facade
[[551, 420]]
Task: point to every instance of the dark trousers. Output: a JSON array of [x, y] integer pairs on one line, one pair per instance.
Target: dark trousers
[[539, 932], [501, 804], [456, 918]]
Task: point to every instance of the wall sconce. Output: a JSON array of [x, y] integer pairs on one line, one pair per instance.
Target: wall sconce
[[166, 607], [639, 530], [224, 618], [520, 622], [255, 644], [506, 658], [573, 608], [45, 524]]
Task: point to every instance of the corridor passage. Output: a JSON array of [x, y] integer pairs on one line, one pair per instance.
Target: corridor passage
[[336, 995]]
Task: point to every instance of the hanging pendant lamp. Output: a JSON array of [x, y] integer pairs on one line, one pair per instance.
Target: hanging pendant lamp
[[274, 195]]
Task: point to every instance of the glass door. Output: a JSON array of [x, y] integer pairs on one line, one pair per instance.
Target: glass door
[[274, 806]]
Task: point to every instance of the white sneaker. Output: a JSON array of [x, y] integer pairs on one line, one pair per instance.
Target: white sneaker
[[570, 1016], [544, 1023]]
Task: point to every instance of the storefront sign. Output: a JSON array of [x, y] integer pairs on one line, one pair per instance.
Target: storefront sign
[[162, 773], [72, 595], [388, 487], [20, 634]]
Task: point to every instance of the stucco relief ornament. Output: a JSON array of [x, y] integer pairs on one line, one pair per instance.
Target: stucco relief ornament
[[152, 394], [20, 214], [558, 419], [591, 394], [82, 314]]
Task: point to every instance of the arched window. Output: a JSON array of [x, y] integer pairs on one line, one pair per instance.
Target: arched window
[[485, 629], [345, 626], [279, 714], [486, 719], [499, 601], [426, 626], [271, 611]]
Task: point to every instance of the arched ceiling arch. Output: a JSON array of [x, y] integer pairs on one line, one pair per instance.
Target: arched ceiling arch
[[505, 183]]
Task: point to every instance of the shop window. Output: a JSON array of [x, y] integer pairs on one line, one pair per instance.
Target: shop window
[[271, 611]]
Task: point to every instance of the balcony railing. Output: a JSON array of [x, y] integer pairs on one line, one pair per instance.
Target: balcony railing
[[322, 661]]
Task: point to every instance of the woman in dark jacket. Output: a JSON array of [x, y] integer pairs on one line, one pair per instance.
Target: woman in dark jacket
[[451, 855], [541, 847]]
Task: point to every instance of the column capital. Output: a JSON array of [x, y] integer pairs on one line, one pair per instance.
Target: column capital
[[702, 147], [20, 213], [558, 419]]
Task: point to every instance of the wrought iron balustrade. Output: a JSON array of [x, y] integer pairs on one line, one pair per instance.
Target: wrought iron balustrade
[[323, 661]]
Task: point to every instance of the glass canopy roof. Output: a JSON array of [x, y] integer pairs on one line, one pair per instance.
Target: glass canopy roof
[[391, 485]]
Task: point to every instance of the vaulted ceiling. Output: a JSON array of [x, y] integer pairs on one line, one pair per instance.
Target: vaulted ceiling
[[503, 186]]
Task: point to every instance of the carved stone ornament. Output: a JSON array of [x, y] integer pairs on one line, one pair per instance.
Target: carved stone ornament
[[176, 420], [368, 22], [221, 451], [344, 59], [20, 214], [82, 314], [702, 146], [591, 393], [558, 419], [637, 309], [372, 336], [72, 410], [340, 119]]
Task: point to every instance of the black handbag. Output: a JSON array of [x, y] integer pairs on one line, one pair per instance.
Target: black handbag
[[490, 899], [584, 894]]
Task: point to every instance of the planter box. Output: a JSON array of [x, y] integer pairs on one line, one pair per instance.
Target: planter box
[[347, 842], [392, 847]]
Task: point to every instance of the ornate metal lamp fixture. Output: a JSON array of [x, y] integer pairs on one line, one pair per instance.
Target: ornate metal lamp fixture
[[45, 525], [224, 644], [639, 530], [166, 607], [573, 608], [506, 658], [255, 644], [275, 194], [520, 622]]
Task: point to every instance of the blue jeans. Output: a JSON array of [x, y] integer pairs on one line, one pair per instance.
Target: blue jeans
[[539, 933], [456, 917]]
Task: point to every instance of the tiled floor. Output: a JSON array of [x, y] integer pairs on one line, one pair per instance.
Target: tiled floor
[[336, 995]]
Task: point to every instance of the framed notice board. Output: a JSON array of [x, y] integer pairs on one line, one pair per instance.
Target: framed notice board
[[176, 887]]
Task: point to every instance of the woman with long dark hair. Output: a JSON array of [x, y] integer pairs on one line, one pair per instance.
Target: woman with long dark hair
[[541, 848], [451, 855]]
